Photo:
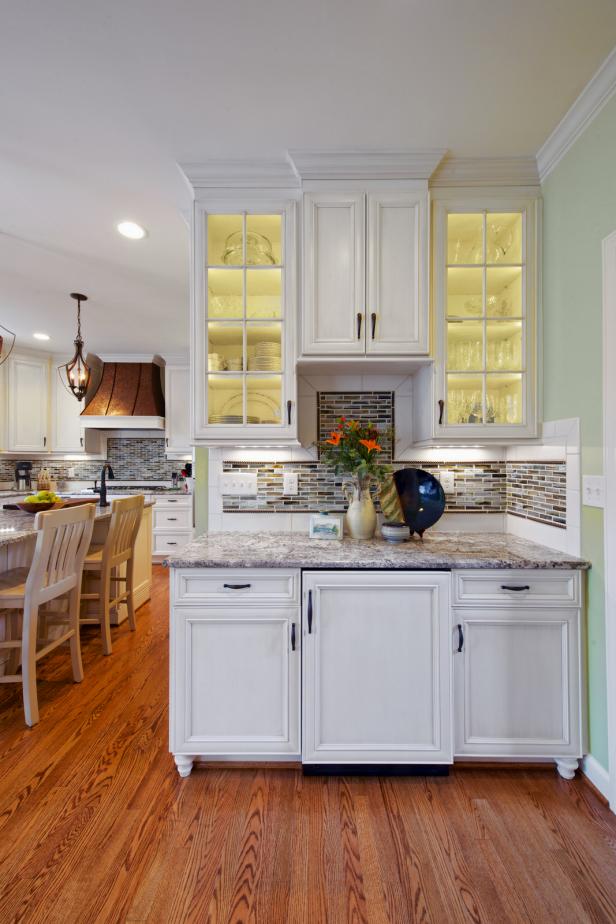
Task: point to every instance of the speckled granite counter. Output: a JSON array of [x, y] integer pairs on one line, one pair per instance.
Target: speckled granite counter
[[16, 525], [442, 551]]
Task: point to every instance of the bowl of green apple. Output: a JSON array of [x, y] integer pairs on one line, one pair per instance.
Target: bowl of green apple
[[42, 500]]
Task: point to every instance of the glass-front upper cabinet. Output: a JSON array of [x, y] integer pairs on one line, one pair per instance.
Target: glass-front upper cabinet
[[485, 291], [244, 369]]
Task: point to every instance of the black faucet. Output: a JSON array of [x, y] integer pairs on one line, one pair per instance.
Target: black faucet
[[103, 502]]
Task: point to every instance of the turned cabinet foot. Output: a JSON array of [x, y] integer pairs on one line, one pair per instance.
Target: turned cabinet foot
[[184, 763], [567, 766]]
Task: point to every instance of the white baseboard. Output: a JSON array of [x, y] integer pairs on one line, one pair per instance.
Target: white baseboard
[[597, 775]]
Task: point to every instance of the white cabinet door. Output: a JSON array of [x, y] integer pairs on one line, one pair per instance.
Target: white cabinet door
[[517, 682], [397, 273], [334, 273], [376, 667], [235, 681], [67, 433], [177, 411], [28, 404]]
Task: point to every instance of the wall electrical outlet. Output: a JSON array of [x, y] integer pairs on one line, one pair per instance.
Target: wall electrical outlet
[[71, 471], [240, 484], [448, 481], [593, 490], [290, 483]]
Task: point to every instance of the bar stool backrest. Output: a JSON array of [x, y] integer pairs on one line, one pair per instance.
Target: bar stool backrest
[[126, 514], [62, 540]]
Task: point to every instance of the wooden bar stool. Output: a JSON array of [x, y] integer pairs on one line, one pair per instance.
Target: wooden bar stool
[[63, 538], [104, 563]]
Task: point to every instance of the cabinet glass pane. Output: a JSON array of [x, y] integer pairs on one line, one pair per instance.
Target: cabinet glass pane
[[225, 347], [464, 238], [263, 399], [225, 400], [464, 399], [504, 349], [504, 292], [264, 347], [225, 293], [504, 399], [465, 346], [263, 293], [504, 237], [263, 240], [225, 238], [465, 293]]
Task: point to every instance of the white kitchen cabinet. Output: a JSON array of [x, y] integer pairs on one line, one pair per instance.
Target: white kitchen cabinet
[[485, 283], [517, 666], [376, 668], [235, 679], [244, 306], [28, 403], [177, 412], [68, 435], [366, 273], [172, 523]]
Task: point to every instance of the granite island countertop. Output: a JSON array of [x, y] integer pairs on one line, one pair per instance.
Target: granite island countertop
[[436, 551], [16, 525]]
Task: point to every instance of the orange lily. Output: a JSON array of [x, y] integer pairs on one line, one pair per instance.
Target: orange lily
[[335, 438], [371, 444]]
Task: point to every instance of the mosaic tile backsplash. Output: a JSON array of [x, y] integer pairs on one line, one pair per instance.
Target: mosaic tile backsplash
[[538, 491], [368, 407], [129, 458]]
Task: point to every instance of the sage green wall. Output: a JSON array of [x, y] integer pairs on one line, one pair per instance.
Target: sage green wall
[[201, 464], [579, 211]]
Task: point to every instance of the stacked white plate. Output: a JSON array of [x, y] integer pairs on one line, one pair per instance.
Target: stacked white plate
[[266, 357], [215, 362], [235, 364]]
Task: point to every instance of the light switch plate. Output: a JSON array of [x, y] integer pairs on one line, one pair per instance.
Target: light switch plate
[[448, 481], [290, 483], [593, 490], [240, 484]]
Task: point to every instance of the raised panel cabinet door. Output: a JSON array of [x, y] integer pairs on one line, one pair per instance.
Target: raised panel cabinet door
[[397, 273], [67, 433], [334, 318], [235, 672], [517, 682], [376, 668], [177, 410], [28, 404]]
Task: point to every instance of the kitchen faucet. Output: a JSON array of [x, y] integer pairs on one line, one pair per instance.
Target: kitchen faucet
[[106, 468]]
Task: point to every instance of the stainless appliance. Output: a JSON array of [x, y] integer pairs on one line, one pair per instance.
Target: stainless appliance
[[23, 476]]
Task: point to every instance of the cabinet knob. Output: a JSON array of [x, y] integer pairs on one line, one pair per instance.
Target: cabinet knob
[[292, 636], [441, 409], [460, 637], [373, 322], [289, 406], [309, 612], [516, 587], [360, 318], [236, 586]]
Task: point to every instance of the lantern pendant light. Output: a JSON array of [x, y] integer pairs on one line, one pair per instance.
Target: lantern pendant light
[[5, 351], [77, 371]]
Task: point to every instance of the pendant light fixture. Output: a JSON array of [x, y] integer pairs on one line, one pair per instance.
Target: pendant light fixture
[[7, 342], [77, 371]]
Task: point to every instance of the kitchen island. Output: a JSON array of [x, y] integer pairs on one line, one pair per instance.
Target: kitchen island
[[361, 655], [18, 537]]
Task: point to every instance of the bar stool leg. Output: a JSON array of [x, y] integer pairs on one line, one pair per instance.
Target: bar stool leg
[[13, 635], [130, 594], [28, 666], [105, 590], [75, 641]]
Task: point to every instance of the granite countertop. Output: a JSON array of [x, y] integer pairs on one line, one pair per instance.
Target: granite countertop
[[437, 551], [16, 525]]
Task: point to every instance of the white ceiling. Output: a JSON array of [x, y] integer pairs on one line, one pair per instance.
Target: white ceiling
[[101, 100]]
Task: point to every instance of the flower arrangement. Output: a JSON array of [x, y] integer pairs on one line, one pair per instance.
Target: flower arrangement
[[354, 449]]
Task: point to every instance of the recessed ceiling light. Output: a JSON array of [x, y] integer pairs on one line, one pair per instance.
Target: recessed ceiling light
[[38, 336], [132, 230]]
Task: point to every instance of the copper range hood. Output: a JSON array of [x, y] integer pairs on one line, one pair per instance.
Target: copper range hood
[[128, 396]]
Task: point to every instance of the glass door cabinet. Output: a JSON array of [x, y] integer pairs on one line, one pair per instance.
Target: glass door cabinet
[[485, 284], [244, 362]]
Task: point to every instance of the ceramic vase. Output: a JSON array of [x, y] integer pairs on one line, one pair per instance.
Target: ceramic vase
[[360, 518]]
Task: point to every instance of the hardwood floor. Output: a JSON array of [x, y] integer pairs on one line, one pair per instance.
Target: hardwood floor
[[96, 825]]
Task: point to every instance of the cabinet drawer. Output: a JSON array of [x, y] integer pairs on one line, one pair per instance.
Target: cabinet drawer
[[222, 587], [172, 503], [508, 588], [170, 542], [172, 518]]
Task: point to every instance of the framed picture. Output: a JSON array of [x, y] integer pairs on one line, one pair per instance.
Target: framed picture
[[326, 526]]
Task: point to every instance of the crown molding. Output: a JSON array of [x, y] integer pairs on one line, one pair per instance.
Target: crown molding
[[587, 106], [246, 174], [364, 165], [486, 171]]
